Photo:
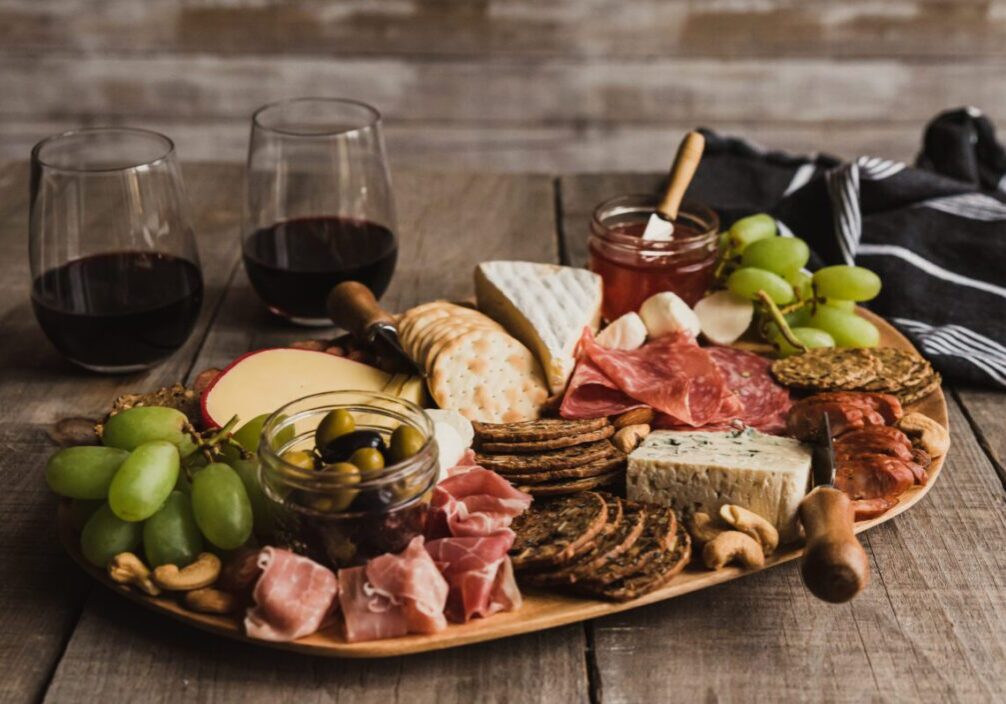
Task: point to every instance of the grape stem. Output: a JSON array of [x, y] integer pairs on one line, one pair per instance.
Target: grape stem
[[210, 444], [780, 320]]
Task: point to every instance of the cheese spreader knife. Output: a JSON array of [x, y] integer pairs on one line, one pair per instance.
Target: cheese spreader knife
[[352, 306], [661, 224], [835, 567]]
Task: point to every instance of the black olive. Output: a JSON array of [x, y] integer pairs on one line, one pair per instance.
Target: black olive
[[341, 448]]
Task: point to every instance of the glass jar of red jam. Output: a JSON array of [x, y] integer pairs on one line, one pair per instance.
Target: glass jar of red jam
[[342, 520], [633, 269]]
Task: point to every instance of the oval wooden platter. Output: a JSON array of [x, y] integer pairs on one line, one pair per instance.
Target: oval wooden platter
[[541, 609]]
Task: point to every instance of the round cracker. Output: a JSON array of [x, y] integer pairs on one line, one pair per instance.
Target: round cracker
[[442, 332], [827, 368], [487, 375]]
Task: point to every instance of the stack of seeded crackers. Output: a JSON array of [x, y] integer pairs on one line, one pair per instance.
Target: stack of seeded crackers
[[472, 364], [599, 545], [550, 457], [880, 370]]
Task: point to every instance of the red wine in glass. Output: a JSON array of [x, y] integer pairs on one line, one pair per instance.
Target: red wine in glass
[[119, 309], [294, 264]]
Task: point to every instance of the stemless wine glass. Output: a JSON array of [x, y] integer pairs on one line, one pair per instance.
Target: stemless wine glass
[[318, 208], [116, 282]]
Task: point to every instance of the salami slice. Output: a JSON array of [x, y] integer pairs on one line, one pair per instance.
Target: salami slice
[[591, 394], [764, 402]]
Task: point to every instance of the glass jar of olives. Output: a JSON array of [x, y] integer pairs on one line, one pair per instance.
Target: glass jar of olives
[[348, 474]]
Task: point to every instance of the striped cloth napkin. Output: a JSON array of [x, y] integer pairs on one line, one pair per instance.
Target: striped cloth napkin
[[935, 232]]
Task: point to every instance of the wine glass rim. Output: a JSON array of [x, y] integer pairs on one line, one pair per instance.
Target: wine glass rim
[[376, 117], [168, 143]]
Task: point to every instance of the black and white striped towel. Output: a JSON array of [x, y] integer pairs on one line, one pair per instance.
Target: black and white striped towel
[[935, 232]]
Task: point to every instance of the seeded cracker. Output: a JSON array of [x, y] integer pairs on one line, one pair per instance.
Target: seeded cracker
[[658, 537], [533, 430], [555, 532], [573, 486], [654, 575], [552, 444], [827, 368], [564, 458], [605, 465], [919, 392]]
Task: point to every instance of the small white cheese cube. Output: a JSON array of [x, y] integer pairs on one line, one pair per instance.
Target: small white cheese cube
[[702, 471], [626, 333], [664, 313]]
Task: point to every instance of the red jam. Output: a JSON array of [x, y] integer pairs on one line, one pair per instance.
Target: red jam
[[633, 269]]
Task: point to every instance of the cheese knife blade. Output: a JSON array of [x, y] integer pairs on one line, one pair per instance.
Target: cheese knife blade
[[823, 462], [352, 306]]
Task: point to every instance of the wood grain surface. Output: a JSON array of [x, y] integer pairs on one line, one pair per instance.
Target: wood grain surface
[[508, 84], [929, 628]]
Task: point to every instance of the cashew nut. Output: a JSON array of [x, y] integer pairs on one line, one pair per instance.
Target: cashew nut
[[703, 527], [201, 573], [628, 438], [752, 524], [127, 569], [926, 433], [210, 601], [733, 546]]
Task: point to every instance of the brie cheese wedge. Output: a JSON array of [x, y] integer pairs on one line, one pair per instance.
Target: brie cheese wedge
[[545, 306], [626, 333]]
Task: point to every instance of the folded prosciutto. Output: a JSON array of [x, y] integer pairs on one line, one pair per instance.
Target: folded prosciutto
[[393, 595], [479, 573], [476, 503], [293, 596]]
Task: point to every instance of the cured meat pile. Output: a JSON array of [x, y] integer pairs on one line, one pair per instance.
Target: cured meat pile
[[874, 461], [460, 570], [688, 385]]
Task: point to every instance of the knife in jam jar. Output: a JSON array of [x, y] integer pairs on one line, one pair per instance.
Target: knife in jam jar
[[353, 307]]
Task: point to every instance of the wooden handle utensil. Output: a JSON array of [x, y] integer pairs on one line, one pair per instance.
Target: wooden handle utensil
[[835, 567], [352, 306], [682, 172]]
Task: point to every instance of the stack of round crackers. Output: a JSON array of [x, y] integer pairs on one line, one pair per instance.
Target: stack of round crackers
[[550, 457], [600, 545], [880, 370], [472, 364]]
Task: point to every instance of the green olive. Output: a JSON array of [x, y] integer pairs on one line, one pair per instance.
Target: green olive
[[335, 424], [406, 441], [368, 459], [337, 499], [299, 458]]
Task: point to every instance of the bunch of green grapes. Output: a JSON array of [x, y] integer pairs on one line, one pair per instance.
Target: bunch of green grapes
[[156, 483], [798, 309]]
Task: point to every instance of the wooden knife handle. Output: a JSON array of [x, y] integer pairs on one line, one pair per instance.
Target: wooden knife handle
[[835, 567], [682, 171], [352, 306]]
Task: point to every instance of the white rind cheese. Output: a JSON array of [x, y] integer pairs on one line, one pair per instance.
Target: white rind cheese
[[626, 333], [545, 306], [702, 471]]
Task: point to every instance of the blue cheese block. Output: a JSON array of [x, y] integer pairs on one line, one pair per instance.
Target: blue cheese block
[[702, 471]]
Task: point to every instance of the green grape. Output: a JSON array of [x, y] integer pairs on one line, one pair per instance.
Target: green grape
[[83, 472], [847, 306], [249, 434], [852, 283], [784, 256], [802, 282], [131, 428], [144, 481], [81, 510], [262, 515], [171, 536], [847, 329], [798, 318], [747, 282], [221, 506], [810, 337], [105, 535], [751, 229]]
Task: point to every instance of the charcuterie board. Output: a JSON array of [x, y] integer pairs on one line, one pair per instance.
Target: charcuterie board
[[541, 610]]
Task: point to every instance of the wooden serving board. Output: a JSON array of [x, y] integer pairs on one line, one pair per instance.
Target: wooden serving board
[[541, 609]]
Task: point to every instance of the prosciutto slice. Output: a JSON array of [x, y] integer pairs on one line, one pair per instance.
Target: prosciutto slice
[[292, 597], [475, 503], [479, 573], [393, 595]]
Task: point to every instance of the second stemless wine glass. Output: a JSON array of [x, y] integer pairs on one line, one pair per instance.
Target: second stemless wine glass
[[116, 282], [318, 208]]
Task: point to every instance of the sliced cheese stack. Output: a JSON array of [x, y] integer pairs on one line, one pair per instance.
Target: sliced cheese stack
[[702, 471], [545, 306]]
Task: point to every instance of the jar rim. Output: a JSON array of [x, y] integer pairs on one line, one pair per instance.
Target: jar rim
[[644, 203], [321, 481]]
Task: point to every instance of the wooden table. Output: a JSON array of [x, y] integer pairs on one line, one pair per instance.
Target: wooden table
[[931, 626]]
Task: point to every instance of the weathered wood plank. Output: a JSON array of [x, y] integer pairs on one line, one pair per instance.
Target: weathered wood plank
[[458, 28], [984, 409], [448, 223], [473, 146], [526, 92], [41, 593], [930, 627]]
